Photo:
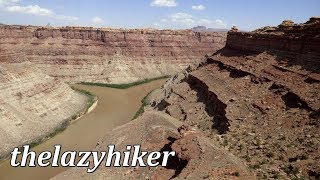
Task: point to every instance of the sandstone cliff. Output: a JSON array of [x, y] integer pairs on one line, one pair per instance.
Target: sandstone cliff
[[36, 61], [32, 105], [107, 55], [298, 42], [259, 97]]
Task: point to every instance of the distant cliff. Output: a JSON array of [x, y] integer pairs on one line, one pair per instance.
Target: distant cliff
[[107, 55]]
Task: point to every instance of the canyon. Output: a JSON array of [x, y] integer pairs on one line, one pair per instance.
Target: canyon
[[256, 101], [80, 54], [241, 105], [37, 62], [114, 108]]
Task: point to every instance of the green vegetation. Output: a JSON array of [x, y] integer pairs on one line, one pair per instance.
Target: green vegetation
[[290, 170], [255, 166], [270, 154], [235, 174], [58, 130], [65, 124], [247, 158], [124, 86], [91, 99], [145, 102], [225, 142]]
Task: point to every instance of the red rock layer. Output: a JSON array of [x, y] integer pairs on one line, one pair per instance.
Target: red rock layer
[[299, 38], [265, 105], [97, 55]]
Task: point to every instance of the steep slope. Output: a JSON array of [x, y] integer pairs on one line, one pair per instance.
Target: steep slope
[[32, 105], [259, 97], [197, 156], [36, 61], [108, 55]]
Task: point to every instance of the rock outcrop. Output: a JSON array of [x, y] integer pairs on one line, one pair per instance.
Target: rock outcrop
[[33, 105], [259, 96], [197, 156], [77, 54], [298, 42]]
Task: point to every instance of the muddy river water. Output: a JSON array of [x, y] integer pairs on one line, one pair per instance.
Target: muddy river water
[[115, 107]]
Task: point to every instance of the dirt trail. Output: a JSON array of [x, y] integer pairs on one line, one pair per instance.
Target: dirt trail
[[115, 107]]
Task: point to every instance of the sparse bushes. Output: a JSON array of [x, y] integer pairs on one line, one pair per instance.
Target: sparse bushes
[[91, 99], [237, 174], [290, 170], [58, 130], [270, 154], [124, 86], [145, 102], [254, 166], [225, 142], [247, 158]]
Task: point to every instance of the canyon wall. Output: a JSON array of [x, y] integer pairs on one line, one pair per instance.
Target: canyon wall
[[36, 61], [291, 38], [33, 105], [259, 97], [298, 42], [107, 55]]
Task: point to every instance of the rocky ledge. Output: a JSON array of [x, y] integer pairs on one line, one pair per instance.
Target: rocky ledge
[[262, 104], [197, 156], [297, 42]]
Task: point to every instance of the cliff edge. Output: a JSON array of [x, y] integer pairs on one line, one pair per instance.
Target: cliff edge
[[76, 54], [259, 97]]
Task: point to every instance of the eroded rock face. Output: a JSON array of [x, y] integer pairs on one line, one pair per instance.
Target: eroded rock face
[[265, 105], [258, 97], [197, 156], [300, 42], [108, 55], [32, 105], [36, 61]]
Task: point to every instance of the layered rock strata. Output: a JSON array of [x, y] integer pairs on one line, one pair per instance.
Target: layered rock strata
[[298, 42], [108, 55], [33, 105], [262, 104]]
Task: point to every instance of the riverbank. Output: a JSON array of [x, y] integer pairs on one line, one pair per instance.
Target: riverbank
[[126, 85], [144, 102], [92, 101], [114, 108]]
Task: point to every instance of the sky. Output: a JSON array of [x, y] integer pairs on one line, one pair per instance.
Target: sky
[[160, 14]]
